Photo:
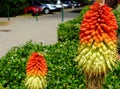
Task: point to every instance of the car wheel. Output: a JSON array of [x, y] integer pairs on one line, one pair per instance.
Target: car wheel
[[46, 11]]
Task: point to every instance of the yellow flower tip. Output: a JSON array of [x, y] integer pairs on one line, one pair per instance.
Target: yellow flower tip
[[36, 65], [35, 82]]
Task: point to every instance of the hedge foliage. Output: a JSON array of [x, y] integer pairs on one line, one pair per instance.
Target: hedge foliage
[[70, 30], [63, 72], [116, 12], [12, 7]]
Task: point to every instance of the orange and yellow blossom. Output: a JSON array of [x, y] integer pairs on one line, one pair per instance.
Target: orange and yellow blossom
[[36, 71], [97, 49]]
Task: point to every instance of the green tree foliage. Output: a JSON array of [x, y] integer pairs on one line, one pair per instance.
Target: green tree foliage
[[14, 7]]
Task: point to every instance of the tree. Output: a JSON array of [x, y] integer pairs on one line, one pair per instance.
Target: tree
[[14, 7]]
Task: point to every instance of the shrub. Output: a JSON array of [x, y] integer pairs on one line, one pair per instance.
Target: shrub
[[112, 80], [116, 11], [62, 70], [13, 7], [117, 14], [70, 30], [1, 87], [82, 12]]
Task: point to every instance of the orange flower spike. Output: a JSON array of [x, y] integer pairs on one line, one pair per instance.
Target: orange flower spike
[[36, 69], [36, 63], [97, 50]]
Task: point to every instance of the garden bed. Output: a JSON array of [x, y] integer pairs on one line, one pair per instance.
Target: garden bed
[[63, 72]]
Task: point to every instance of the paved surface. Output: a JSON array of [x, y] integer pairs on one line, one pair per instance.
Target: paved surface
[[20, 30]]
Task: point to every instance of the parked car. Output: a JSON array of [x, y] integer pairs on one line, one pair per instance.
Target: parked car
[[67, 4], [58, 4], [75, 4], [70, 3], [33, 10], [47, 6]]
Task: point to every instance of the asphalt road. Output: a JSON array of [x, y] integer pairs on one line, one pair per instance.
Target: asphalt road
[[22, 29], [67, 13]]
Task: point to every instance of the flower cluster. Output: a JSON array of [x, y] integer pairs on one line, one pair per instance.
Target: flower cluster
[[36, 71], [97, 51]]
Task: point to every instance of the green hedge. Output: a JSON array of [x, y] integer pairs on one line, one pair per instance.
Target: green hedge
[[70, 30], [62, 70], [12, 7], [117, 14], [62, 73]]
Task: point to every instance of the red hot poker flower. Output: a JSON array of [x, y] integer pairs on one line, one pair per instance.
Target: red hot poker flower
[[36, 65], [98, 25]]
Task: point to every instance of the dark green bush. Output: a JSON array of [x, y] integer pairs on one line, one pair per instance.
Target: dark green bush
[[117, 14], [70, 30], [62, 70], [82, 12], [112, 80], [14, 7], [62, 73]]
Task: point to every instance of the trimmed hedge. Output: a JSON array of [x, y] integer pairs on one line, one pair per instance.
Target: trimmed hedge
[[70, 30], [117, 14], [62, 70]]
